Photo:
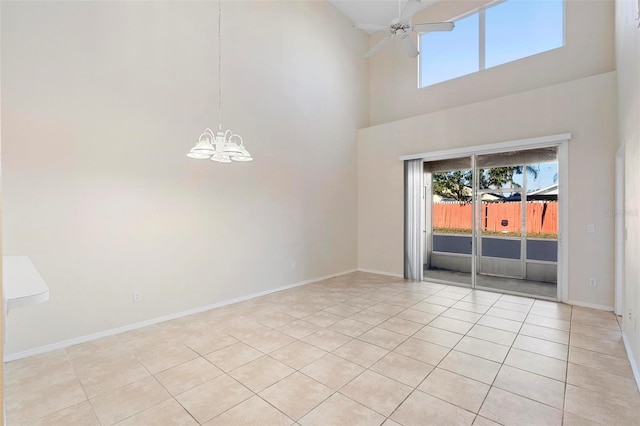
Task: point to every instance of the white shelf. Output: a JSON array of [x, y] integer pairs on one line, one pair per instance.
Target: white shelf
[[22, 284]]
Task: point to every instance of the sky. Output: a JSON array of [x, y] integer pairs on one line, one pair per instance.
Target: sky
[[547, 175]]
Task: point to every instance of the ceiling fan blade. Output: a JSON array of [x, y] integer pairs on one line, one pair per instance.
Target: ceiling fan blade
[[410, 9], [409, 46], [435, 26], [372, 27], [378, 46]]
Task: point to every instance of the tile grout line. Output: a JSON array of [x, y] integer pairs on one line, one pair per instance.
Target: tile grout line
[[566, 373], [436, 366], [498, 372], [503, 364]]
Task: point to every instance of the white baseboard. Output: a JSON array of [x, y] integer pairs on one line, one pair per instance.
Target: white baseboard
[[83, 339], [632, 360], [589, 305], [388, 274]]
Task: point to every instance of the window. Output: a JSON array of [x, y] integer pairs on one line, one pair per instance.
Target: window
[[493, 35], [447, 55]]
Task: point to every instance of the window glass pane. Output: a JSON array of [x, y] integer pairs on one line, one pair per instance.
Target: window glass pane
[[542, 208], [500, 217], [453, 186], [449, 54], [509, 169], [502, 180], [519, 28], [542, 178]]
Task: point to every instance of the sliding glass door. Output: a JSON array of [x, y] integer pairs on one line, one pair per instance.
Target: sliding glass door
[[491, 221], [449, 221], [517, 230]]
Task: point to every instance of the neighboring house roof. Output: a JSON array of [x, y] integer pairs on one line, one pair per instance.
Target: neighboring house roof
[[549, 193], [549, 190], [467, 192]]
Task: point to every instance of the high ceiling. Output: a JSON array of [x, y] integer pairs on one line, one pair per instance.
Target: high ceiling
[[374, 11]]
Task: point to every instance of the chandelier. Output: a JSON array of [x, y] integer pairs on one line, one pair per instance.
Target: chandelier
[[221, 146]]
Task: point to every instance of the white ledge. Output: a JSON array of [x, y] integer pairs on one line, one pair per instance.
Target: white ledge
[[22, 284], [514, 145]]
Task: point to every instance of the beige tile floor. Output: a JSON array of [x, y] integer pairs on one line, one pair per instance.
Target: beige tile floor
[[358, 349]]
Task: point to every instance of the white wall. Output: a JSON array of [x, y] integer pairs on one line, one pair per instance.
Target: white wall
[[100, 103], [628, 69], [585, 107], [393, 83]]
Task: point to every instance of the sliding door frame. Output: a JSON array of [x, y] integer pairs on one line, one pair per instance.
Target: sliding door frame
[[561, 142]]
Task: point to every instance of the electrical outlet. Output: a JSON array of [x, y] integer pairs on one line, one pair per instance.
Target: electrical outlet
[[137, 296], [592, 282], [630, 314], [591, 228]]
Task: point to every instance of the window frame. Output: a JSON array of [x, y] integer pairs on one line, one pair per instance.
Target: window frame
[[482, 45]]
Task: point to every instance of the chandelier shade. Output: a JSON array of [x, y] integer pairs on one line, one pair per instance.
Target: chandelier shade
[[203, 149]]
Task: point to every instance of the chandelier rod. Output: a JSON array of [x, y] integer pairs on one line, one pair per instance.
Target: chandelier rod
[[220, 65]]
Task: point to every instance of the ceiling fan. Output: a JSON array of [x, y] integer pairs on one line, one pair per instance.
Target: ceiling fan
[[401, 27]]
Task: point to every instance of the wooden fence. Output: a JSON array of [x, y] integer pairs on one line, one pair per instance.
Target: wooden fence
[[542, 217]]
